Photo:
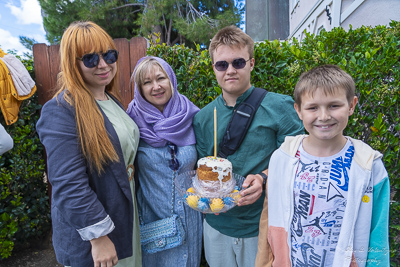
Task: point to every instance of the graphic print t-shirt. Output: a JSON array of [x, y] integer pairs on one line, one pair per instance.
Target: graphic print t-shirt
[[320, 197]]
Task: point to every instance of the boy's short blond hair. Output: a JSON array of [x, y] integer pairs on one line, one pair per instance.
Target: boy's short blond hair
[[328, 78], [231, 36]]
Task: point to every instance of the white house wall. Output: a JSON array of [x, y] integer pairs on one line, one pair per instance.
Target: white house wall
[[311, 16], [372, 13], [299, 9]]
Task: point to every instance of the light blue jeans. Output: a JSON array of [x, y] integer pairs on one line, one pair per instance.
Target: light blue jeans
[[222, 250]]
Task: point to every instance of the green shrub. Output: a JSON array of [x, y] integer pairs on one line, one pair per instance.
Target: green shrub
[[370, 55], [24, 204], [193, 71]]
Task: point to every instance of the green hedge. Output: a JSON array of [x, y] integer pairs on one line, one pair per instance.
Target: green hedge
[[370, 55], [24, 204]]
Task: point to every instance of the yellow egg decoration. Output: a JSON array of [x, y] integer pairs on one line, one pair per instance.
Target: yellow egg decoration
[[190, 190], [192, 201], [216, 205]]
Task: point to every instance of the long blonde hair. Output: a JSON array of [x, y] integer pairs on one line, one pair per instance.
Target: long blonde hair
[[78, 39]]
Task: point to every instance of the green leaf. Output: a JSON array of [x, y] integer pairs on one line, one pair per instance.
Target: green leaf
[[5, 217]]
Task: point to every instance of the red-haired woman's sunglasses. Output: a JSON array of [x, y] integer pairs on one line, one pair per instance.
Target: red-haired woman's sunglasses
[[92, 60]]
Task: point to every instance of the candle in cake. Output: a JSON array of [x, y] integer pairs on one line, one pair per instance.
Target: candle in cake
[[215, 132]]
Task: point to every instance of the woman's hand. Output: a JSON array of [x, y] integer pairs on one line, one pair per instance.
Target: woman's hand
[[103, 252]]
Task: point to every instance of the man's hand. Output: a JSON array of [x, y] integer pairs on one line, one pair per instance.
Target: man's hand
[[103, 252], [253, 184]]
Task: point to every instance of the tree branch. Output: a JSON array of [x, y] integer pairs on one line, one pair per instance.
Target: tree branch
[[176, 40], [169, 32], [128, 5]]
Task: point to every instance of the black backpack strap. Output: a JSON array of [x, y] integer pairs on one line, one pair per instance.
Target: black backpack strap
[[240, 122]]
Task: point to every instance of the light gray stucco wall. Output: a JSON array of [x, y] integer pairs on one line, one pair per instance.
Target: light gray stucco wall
[[372, 13]]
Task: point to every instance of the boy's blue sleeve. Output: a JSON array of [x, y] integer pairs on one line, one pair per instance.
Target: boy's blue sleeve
[[379, 253]]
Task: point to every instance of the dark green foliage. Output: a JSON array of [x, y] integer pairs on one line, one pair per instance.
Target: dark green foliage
[[58, 15], [116, 17], [193, 71], [187, 22], [174, 21], [24, 204], [218, 14], [370, 55]]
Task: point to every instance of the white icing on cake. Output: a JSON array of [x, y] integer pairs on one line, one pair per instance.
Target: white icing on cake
[[215, 188], [224, 166]]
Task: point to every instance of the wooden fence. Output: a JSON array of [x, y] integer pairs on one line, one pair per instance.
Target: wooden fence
[[46, 60]]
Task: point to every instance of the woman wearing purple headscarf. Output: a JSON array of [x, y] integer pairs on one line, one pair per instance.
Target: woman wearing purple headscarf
[[166, 149]]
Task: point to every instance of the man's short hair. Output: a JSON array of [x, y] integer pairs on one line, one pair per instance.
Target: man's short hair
[[231, 36], [327, 78]]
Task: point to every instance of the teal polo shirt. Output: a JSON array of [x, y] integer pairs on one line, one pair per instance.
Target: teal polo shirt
[[275, 119]]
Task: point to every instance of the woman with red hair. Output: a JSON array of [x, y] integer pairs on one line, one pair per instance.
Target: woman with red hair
[[91, 145]]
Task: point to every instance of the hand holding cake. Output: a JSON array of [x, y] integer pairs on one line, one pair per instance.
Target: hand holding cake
[[252, 189]]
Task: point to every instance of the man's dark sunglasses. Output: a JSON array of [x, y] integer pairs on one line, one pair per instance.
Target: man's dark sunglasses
[[92, 60], [238, 63]]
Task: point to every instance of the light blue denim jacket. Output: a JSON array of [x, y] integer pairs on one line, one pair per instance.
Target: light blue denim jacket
[[154, 201]]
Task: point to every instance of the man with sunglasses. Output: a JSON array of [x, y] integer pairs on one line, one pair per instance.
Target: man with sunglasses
[[231, 238]]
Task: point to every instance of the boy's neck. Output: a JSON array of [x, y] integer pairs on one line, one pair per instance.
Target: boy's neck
[[323, 148], [231, 99]]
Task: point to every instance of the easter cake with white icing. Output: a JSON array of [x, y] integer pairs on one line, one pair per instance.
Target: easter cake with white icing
[[214, 177]]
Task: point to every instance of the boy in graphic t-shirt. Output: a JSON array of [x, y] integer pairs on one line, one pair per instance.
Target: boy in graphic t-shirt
[[328, 194]]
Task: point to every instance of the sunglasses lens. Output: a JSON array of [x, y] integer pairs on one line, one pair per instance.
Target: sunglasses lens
[[221, 65], [90, 60], [239, 63], [174, 163], [110, 56]]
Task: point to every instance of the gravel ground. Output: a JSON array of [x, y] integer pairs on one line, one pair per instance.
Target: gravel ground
[[38, 254], [32, 258]]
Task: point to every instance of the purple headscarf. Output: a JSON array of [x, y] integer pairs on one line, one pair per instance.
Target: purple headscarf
[[174, 124]]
